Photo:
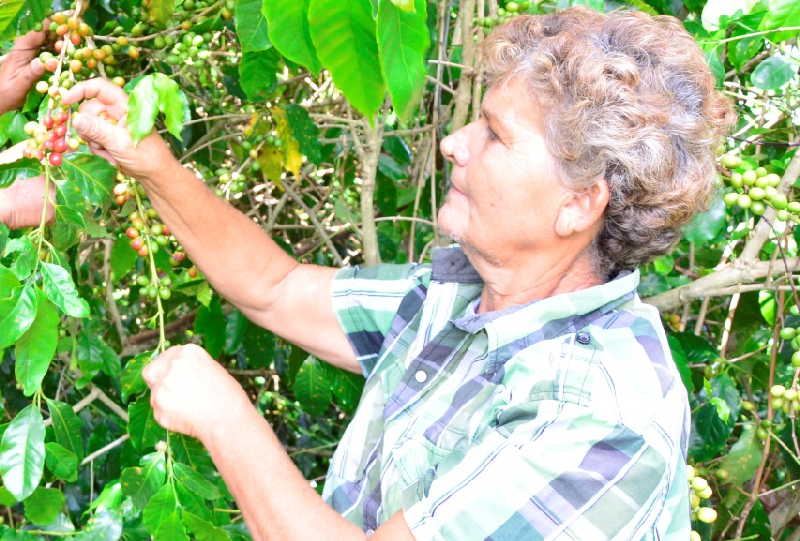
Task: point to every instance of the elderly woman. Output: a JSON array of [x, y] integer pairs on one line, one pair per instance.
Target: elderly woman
[[517, 388]]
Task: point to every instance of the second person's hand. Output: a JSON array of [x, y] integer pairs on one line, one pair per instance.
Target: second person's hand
[[101, 123]]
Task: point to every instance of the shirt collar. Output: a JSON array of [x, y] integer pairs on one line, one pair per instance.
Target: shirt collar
[[451, 265]]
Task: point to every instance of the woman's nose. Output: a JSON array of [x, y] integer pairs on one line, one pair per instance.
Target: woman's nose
[[454, 148]]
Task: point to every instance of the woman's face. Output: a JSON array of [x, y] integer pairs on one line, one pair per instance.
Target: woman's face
[[505, 195]]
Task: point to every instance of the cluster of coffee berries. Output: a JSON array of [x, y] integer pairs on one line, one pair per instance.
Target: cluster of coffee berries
[[755, 188], [160, 286], [503, 14], [786, 400], [147, 235], [191, 46], [699, 490], [50, 139]]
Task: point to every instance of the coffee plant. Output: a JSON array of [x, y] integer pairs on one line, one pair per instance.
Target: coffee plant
[[320, 120]]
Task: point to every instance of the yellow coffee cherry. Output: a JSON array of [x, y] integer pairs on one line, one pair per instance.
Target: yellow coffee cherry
[[706, 514]]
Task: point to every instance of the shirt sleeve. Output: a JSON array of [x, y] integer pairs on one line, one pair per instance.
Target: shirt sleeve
[[366, 299], [550, 470]]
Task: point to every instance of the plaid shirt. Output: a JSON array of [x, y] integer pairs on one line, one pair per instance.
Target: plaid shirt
[[561, 419]]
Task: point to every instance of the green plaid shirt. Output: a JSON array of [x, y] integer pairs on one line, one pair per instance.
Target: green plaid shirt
[[561, 419]]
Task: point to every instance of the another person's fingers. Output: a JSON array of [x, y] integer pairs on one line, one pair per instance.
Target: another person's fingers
[[156, 370], [95, 129], [23, 203]]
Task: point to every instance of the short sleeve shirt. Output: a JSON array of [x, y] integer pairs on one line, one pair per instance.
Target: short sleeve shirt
[[564, 418]]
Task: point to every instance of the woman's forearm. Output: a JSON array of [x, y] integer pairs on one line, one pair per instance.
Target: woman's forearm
[[235, 254], [277, 502]]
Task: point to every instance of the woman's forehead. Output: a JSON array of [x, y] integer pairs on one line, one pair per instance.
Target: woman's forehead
[[511, 103]]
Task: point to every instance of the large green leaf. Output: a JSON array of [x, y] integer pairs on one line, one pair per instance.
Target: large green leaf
[[66, 426], [402, 42], [61, 290], [251, 26], [123, 258], [194, 482], [679, 356], [743, 458], [305, 131], [131, 381], [43, 506], [145, 432], [8, 12], [20, 169], [95, 355], [347, 388], [781, 13], [71, 207], [61, 462], [202, 529], [152, 94], [289, 31], [93, 174], [22, 453], [20, 318], [312, 386], [344, 35], [105, 525], [142, 482], [210, 324], [257, 73], [161, 517], [25, 259], [772, 73], [35, 349]]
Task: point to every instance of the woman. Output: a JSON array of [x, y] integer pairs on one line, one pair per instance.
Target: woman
[[516, 388]]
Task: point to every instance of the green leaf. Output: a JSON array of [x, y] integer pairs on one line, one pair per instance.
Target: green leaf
[[152, 94], [190, 451], [772, 73], [405, 5], [344, 35], [22, 453], [289, 32], [705, 226], [131, 382], [194, 482], [161, 516], [305, 131], [142, 109], [8, 12], [93, 174], [681, 362], [210, 323], [402, 42], [257, 73], [43, 506], [236, 325], [251, 26], [20, 318], [123, 258], [312, 387], [71, 207], [160, 11], [347, 388], [66, 427], [172, 103], [142, 482], [105, 525], [767, 305], [25, 261], [95, 355], [35, 349], [744, 456], [20, 169], [781, 13], [145, 432], [716, 9], [61, 462], [202, 529], [61, 290], [4, 233]]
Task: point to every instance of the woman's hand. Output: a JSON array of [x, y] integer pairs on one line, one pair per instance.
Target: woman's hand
[[192, 394], [21, 204], [101, 122], [20, 70]]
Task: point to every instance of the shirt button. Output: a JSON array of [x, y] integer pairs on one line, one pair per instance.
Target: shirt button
[[420, 376], [369, 531], [583, 338]]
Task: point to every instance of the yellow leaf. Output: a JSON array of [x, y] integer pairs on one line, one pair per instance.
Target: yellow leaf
[[293, 158], [271, 159]]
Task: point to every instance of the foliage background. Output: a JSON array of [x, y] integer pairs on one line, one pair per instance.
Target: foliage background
[[320, 120]]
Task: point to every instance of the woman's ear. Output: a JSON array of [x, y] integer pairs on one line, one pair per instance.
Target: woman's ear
[[582, 211]]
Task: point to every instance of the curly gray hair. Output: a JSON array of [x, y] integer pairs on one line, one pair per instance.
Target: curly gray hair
[[629, 98]]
